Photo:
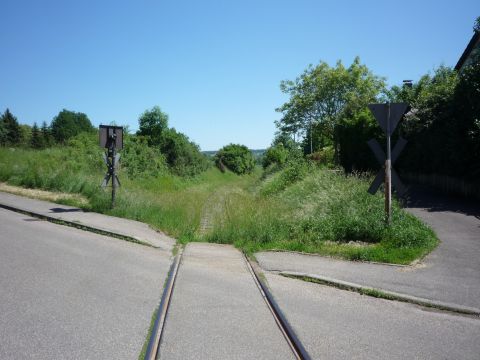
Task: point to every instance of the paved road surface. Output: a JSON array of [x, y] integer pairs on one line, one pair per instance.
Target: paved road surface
[[337, 324], [217, 311], [70, 294]]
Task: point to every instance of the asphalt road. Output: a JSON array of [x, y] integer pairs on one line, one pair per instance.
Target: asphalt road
[[339, 324], [70, 294]]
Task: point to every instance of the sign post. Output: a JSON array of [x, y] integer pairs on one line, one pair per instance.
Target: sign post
[[387, 115], [111, 138]]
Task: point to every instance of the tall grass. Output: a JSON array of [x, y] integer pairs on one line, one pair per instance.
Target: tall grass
[[326, 213], [167, 202]]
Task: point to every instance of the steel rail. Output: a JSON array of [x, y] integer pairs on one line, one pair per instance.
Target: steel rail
[[156, 336], [292, 339]]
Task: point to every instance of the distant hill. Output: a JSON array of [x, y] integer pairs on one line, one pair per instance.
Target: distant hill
[[256, 152]]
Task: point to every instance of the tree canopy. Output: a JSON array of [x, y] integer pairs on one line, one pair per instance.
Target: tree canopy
[[68, 124], [152, 124], [10, 132], [322, 95], [237, 158]]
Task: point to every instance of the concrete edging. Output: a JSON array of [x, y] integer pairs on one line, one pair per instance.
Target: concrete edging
[[381, 293], [76, 225], [339, 258]]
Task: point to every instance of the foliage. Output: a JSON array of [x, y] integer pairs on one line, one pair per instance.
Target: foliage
[[140, 160], [68, 124], [324, 156], [277, 154], [326, 213], [46, 134], [294, 172], [3, 133], [25, 135], [466, 103], [10, 132], [442, 128], [36, 139], [152, 125], [182, 155], [353, 134], [322, 96], [237, 158]]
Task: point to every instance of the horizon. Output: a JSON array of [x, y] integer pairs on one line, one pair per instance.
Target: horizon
[[214, 68]]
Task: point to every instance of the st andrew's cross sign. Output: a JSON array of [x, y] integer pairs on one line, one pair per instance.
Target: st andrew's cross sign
[[387, 115]]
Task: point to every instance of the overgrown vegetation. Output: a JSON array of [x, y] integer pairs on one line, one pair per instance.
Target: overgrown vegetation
[[323, 212], [236, 158], [299, 207]]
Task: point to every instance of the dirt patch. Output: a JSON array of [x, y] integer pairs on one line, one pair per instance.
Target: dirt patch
[[41, 194], [356, 244]]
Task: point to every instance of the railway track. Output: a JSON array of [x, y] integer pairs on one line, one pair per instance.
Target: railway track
[[153, 350]]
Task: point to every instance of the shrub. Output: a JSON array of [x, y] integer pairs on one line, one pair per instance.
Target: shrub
[[67, 124], [275, 155], [237, 158], [353, 134], [182, 155], [138, 159], [324, 156]]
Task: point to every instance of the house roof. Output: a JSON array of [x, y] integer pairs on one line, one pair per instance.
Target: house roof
[[474, 42]]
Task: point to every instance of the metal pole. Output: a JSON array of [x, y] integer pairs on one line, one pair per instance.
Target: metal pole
[[114, 183], [388, 174]]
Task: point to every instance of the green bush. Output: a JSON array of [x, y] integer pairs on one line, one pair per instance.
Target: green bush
[[67, 124], [140, 160], [324, 156], [353, 134], [275, 155], [182, 155], [237, 158], [294, 172]]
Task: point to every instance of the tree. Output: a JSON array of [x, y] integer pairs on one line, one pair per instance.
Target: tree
[[237, 158], [322, 96], [46, 135], [36, 139], [152, 124], [10, 128], [68, 124], [3, 132]]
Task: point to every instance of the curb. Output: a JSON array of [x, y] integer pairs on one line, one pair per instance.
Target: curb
[[336, 258], [381, 293], [77, 225]]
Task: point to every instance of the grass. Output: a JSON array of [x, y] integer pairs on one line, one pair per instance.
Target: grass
[[299, 208], [326, 213]]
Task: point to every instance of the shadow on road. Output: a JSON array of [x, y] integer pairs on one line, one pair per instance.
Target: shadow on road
[[63, 210], [427, 198]]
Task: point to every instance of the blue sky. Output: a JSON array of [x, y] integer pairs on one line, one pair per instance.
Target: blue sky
[[213, 66]]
